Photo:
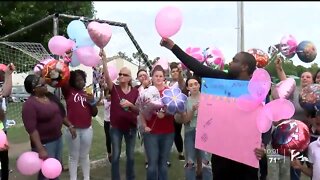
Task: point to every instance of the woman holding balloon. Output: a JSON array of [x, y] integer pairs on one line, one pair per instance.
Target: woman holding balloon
[[43, 116], [81, 107], [158, 133], [6, 88], [123, 118]]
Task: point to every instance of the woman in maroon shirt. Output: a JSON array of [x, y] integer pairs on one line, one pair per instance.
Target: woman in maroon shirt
[[159, 134], [43, 116], [80, 110], [123, 118]]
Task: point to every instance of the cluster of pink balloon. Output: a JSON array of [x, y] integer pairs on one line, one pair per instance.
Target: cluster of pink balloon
[[275, 110], [211, 56], [29, 164], [82, 43]]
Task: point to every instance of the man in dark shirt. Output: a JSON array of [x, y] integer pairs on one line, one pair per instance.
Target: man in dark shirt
[[241, 68]]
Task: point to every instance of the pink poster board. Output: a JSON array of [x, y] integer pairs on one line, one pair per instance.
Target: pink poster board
[[222, 128]]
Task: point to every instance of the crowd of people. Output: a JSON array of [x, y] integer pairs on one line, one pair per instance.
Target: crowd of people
[[44, 116]]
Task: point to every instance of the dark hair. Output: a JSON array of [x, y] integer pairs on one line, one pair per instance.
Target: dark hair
[[30, 82], [173, 65], [249, 60], [74, 74], [195, 78], [315, 76], [158, 68], [140, 70]]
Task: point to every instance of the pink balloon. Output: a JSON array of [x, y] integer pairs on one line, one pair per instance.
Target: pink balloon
[[88, 56], [195, 53], [247, 103], [29, 163], [59, 45], [260, 84], [113, 73], [264, 122], [3, 67], [280, 109], [72, 44], [51, 168], [3, 139], [261, 75], [163, 63], [100, 33], [168, 21], [284, 89]]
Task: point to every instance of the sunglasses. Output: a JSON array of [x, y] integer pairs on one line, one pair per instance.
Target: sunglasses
[[126, 75]]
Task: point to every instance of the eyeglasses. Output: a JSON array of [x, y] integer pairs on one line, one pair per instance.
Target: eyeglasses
[[126, 75]]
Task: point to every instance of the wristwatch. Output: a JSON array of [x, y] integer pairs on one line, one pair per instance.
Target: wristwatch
[[71, 126]]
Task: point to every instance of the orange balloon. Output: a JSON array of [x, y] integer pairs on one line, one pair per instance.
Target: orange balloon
[[262, 58], [56, 73]]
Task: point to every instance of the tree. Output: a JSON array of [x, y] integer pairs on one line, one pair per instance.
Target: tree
[[15, 15], [289, 67], [300, 69], [314, 68]]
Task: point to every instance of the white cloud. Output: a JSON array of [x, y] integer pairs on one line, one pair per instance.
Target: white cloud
[[211, 24]]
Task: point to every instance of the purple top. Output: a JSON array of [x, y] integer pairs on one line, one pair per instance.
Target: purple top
[[120, 118], [44, 117]]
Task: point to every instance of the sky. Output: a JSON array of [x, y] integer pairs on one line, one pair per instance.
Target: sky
[[211, 24]]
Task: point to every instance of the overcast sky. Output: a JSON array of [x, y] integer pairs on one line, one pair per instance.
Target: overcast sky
[[212, 24]]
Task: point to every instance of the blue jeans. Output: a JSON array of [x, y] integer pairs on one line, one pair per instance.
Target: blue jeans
[[54, 150], [295, 174], [157, 147], [116, 142], [191, 160]]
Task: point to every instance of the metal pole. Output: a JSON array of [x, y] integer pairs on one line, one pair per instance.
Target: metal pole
[[56, 24], [113, 23], [144, 57], [27, 27], [240, 27], [55, 32]]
